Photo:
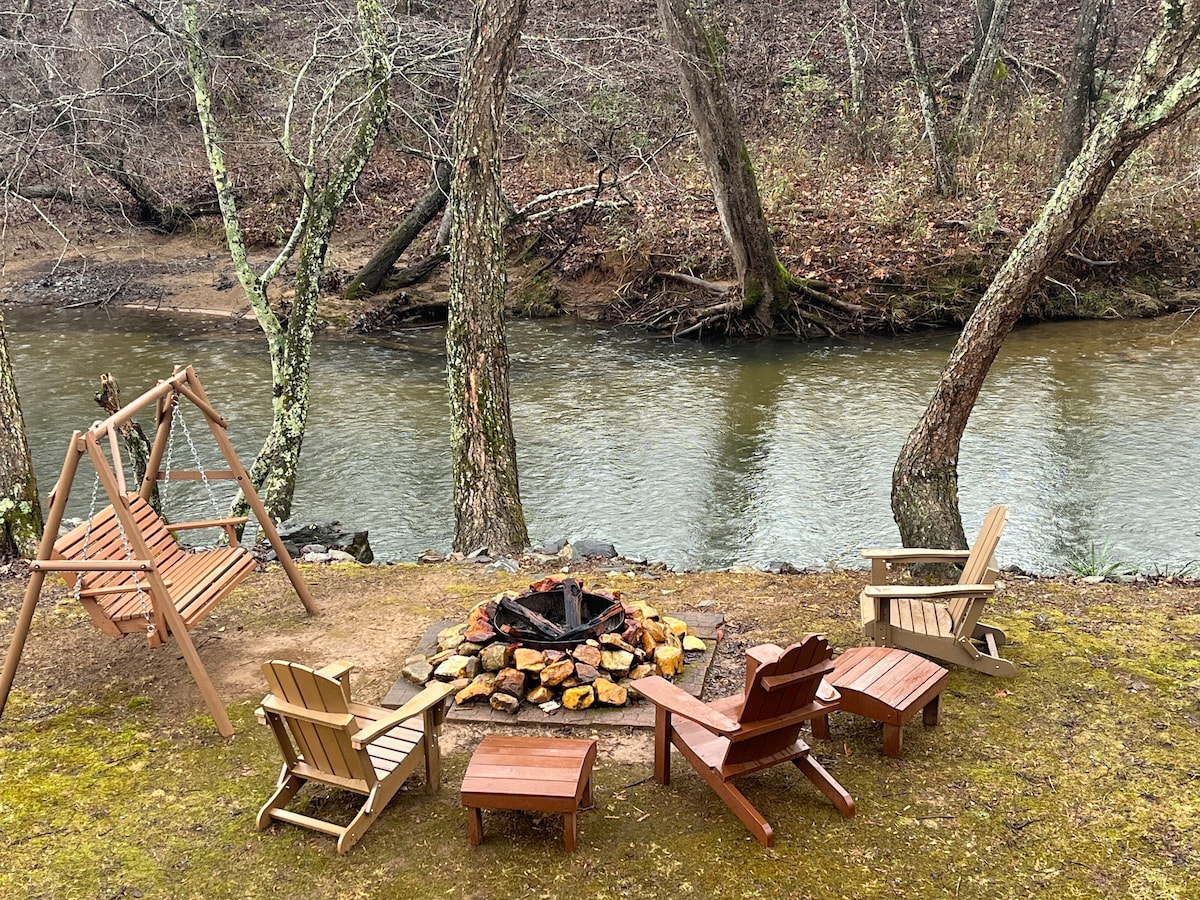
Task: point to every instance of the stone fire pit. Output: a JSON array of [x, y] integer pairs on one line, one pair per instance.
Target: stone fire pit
[[554, 645]]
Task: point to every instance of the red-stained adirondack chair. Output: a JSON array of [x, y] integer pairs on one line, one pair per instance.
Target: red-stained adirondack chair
[[750, 731]]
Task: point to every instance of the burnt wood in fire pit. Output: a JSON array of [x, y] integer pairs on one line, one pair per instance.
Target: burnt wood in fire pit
[[558, 618]]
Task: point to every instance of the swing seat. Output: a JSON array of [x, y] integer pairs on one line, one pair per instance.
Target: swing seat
[[196, 581]]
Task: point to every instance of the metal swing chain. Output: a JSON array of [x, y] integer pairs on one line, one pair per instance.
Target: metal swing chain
[[87, 534], [177, 419], [137, 582]]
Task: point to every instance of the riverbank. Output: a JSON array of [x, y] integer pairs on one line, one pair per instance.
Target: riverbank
[[1075, 779]]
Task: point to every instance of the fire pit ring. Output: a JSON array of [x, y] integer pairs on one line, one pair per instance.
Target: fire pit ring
[[558, 618]]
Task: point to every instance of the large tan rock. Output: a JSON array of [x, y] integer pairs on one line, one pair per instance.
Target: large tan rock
[[618, 662], [668, 661], [505, 703], [539, 695], [588, 654], [528, 660], [579, 697], [647, 611], [677, 627], [450, 638], [614, 642], [496, 657], [455, 667], [610, 694], [691, 642], [655, 629], [482, 686], [643, 670], [558, 672]]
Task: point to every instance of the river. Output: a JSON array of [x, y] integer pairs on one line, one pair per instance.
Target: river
[[699, 456]]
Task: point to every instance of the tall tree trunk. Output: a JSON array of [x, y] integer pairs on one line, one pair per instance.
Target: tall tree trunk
[[289, 340], [1079, 98], [943, 166], [20, 508], [1164, 85], [375, 270], [982, 75], [487, 498], [765, 283], [858, 79]]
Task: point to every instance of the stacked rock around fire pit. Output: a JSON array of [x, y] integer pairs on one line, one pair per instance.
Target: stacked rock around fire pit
[[555, 644]]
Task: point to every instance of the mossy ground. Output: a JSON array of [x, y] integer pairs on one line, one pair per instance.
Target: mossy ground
[[1076, 779]]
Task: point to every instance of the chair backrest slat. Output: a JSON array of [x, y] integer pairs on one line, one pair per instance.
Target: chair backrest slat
[[326, 748], [981, 564]]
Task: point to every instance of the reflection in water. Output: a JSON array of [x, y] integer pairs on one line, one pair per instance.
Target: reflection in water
[[696, 455]]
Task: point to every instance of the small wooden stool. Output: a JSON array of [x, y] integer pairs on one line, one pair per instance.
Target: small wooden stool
[[531, 773], [889, 686]]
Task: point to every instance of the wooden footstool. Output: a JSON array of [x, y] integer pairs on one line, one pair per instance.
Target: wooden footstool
[[886, 685], [551, 775]]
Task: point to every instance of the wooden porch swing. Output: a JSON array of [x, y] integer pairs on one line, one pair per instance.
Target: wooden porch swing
[[124, 564]]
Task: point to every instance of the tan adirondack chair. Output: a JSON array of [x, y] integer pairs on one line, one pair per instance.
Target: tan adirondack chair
[[752, 730], [328, 738], [941, 621]]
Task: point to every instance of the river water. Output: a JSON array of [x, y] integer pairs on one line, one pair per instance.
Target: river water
[[700, 456]]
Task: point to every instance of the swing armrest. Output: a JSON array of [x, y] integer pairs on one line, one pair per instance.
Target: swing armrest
[[208, 523]]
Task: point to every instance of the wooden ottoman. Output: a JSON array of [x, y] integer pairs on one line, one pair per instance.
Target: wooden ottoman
[[886, 685], [536, 774]]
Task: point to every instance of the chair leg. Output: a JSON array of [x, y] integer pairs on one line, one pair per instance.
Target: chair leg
[[893, 738], [826, 784], [820, 727], [360, 823], [288, 788], [662, 745], [475, 825], [932, 713], [745, 811], [570, 830]]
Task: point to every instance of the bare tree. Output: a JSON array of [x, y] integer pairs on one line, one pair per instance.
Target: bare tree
[[1080, 96], [487, 498], [1164, 85], [983, 74], [944, 179], [346, 108], [855, 55]]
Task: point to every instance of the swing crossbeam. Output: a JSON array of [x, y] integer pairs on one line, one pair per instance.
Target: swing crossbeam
[[130, 573]]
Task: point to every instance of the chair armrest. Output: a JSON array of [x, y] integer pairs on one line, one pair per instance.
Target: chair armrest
[[927, 591], [207, 523], [676, 700], [427, 699], [336, 670], [272, 704]]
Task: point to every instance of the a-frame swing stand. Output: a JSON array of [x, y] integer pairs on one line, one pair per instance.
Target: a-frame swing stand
[[124, 564]]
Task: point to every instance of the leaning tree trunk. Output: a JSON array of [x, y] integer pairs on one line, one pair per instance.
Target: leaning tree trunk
[[487, 497], [20, 508], [943, 166], [1164, 85], [765, 283], [1080, 95], [982, 75], [368, 279]]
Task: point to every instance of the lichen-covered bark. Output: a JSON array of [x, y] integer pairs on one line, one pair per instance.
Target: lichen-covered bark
[[20, 508], [943, 167], [765, 283], [1164, 85], [487, 499], [289, 342]]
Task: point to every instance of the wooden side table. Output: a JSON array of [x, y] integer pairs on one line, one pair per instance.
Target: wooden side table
[[889, 686], [535, 774]]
